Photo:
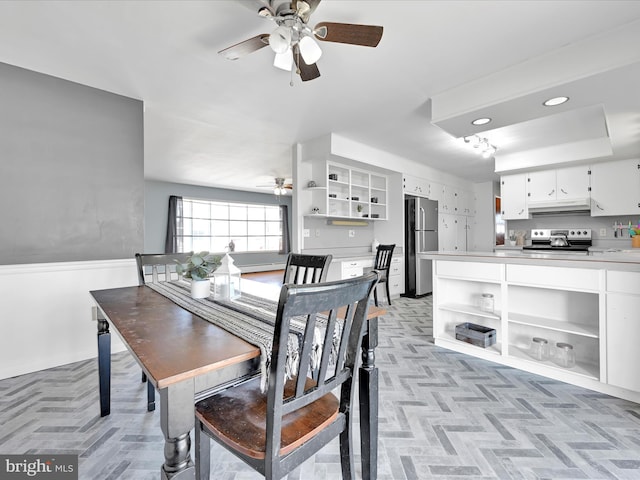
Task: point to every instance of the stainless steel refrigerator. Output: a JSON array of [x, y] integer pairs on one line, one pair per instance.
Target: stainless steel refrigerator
[[421, 235]]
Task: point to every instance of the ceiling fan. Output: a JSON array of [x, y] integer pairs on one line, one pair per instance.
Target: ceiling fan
[[293, 41], [279, 188]]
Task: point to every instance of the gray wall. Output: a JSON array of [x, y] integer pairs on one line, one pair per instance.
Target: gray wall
[[156, 210], [71, 171]]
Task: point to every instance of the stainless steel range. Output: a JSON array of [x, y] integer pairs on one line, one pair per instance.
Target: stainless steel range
[[560, 240]]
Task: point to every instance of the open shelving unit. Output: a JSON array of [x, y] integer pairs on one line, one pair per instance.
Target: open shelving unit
[[564, 311], [350, 193]]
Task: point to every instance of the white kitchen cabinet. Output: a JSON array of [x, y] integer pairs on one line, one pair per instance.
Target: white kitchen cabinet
[[355, 267], [467, 203], [449, 202], [615, 188], [513, 193], [541, 186], [589, 305], [569, 183], [396, 276], [447, 232], [623, 329], [452, 233], [457, 293], [560, 304], [421, 187]]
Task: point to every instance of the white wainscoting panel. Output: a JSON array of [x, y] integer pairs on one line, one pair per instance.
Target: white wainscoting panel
[[46, 317]]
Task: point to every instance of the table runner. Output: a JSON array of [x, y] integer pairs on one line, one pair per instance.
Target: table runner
[[251, 318]]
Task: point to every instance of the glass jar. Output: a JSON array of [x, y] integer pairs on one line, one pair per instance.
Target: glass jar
[[565, 356], [539, 348], [486, 302]]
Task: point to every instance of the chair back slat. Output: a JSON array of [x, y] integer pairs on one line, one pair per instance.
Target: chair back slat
[[302, 269], [159, 267], [305, 354], [327, 352]]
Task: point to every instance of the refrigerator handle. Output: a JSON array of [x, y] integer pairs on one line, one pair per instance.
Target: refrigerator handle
[[423, 219]]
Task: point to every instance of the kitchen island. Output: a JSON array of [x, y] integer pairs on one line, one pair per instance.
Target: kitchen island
[[588, 302]]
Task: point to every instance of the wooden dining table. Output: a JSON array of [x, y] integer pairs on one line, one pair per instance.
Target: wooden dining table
[[186, 357]]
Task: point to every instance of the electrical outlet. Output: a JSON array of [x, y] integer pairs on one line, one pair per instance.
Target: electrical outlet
[[352, 233], [317, 232], [603, 232], [306, 233]]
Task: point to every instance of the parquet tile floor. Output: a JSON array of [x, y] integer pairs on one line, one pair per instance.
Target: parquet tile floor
[[443, 415]]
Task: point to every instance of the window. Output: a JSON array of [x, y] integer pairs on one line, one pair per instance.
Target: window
[[222, 226]]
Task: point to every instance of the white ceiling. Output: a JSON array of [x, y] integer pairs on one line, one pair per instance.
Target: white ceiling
[[211, 121]]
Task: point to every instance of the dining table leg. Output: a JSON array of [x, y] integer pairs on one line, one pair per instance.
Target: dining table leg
[[104, 364], [177, 421], [369, 402]]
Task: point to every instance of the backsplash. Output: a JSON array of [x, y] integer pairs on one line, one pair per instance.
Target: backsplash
[[323, 236], [596, 224]]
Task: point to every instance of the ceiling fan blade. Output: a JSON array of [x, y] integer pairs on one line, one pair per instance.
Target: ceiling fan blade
[[353, 34], [245, 48], [307, 72]]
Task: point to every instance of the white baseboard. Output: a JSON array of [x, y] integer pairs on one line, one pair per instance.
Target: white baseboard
[[262, 268]]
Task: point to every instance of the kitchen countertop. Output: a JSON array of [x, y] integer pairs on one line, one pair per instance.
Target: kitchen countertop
[[629, 261]]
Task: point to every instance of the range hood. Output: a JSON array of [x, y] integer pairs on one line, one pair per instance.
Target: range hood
[[560, 206]]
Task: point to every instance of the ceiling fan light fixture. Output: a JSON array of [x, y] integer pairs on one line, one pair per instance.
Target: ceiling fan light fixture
[[310, 50], [284, 60], [321, 32], [280, 39], [552, 102]]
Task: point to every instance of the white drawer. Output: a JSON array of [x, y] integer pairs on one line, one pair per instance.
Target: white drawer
[[362, 263], [395, 269], [470, 270], [623, 282], [351, 271], [396, 284], [554, 277]]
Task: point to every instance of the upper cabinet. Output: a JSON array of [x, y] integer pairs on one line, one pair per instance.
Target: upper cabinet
[[452, 200], [354, 193], [513, 193], [569, 183], [615, 188], [421, 187]]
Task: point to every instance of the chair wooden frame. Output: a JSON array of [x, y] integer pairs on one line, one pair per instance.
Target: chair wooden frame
[[276, 431], [302, 269], [382, 264], [168, 264]]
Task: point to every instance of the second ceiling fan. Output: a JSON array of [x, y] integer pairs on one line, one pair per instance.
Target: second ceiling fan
[[293, 41]]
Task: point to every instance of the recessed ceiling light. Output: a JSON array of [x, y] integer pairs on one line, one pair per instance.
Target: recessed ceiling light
[[552, 102], [481, 121]]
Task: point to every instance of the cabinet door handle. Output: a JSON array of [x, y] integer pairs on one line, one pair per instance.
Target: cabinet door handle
[[599, 207], [562, 190], [552, 192], [521, 212]]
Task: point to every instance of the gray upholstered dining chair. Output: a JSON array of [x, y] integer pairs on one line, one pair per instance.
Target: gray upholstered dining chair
[[154, 268], [382, 264], [277, 430], [301, 268]]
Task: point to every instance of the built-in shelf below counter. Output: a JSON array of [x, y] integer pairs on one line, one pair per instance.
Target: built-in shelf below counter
[[588, 302]]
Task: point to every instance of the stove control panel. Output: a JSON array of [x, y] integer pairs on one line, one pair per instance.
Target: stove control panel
[[570, 233]]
